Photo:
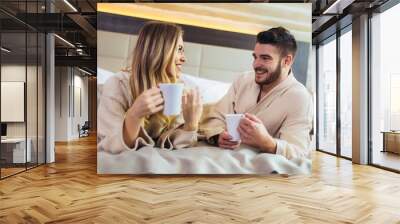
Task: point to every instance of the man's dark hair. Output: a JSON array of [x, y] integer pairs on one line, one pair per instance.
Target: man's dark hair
[[279, 37]]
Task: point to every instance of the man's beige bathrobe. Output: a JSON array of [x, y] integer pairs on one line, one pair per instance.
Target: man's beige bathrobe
[[116, 99], [286, 111]]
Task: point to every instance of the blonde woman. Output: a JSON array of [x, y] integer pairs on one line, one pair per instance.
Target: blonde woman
[[130, 110]]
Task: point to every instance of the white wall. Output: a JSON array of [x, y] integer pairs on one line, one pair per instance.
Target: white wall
[[68, 82], [80, 83], [62, 81]]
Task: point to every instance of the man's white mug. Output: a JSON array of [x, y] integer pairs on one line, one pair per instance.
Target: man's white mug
[[232, 124], [172, 94]]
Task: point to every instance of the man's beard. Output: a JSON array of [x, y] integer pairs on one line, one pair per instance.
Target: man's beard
[[273, 76]]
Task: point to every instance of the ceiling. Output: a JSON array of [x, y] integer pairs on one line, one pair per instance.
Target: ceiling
[[76, 24], [79, 27], [331, 15], [248, 18]]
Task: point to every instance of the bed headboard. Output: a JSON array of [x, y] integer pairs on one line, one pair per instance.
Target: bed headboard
[[202, 60]]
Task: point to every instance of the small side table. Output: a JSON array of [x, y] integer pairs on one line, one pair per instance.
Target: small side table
[[391, 141]]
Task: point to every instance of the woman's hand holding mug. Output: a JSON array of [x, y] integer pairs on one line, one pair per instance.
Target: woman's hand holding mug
[[148, 103]]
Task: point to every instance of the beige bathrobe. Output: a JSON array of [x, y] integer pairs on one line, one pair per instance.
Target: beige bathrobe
[[286, 111], [116, 99]]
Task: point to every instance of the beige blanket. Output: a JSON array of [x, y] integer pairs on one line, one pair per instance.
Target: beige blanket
[[203, 159]]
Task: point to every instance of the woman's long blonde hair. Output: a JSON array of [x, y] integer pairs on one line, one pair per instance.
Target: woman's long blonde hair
[[153, 62], [153, 56]]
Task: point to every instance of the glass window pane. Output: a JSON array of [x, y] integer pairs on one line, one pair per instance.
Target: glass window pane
[[327, 97], [13, 85], [346, 94], [385, 84], [23, 86]]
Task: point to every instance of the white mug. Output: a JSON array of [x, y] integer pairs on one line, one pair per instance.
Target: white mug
[[232, 124], [172, 94]]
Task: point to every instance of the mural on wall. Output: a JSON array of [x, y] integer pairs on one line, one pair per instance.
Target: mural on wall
[[221, 64]]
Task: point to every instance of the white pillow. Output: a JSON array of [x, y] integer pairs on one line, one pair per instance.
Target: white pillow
[[103, 75], [211, 91]]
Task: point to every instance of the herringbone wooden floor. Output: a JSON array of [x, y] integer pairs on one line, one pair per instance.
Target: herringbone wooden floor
[[70, 191]]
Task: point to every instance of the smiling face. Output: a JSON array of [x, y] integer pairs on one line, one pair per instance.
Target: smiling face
[[267, 63], [179, 56]]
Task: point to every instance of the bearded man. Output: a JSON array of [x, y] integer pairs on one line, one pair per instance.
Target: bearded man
[[278, 110]]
